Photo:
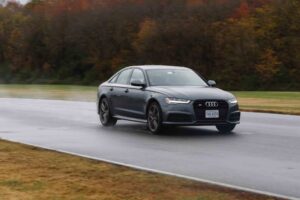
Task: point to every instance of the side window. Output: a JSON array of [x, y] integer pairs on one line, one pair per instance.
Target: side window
[[138, 75], [124, 76], [114, 79]]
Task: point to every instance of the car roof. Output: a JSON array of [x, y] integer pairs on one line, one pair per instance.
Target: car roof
[[145, 67]]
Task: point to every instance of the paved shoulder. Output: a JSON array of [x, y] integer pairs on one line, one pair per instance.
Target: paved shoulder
[[263, 154]]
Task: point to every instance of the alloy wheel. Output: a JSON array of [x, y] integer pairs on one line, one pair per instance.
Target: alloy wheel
[[154, 118], [104, 112]]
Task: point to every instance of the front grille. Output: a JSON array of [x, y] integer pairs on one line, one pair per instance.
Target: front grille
[[200, 108]]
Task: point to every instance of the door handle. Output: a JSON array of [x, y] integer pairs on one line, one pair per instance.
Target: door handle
[[111, 89], [126, 91]]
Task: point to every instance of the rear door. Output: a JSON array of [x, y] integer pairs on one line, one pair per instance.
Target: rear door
[[120, 93]]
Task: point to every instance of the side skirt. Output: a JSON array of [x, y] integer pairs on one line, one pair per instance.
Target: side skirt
[[130, 119]]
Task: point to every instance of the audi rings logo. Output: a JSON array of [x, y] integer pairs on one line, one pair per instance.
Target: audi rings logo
[[211, 104]]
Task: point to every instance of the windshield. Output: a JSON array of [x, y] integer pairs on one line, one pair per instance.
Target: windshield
[[174, 77]]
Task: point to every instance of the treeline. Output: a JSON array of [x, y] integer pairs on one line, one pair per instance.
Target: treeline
[[242, 44]]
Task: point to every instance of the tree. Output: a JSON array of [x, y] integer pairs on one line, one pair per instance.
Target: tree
[[268, 66]]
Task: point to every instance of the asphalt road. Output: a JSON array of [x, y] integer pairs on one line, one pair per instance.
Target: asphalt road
[[263, 154]]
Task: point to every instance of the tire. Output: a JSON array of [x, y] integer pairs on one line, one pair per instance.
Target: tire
[[105, 114], [154, 118], [226, 129]]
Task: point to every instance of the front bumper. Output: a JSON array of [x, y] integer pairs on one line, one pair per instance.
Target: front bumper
[[193, 115]]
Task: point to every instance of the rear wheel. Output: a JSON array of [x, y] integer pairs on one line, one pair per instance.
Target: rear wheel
[[226, 129], [105, 115], [154, 118]]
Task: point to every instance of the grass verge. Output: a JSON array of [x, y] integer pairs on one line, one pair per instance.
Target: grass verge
[[29, 173], [260, 101], [59, 92], [273, 102]]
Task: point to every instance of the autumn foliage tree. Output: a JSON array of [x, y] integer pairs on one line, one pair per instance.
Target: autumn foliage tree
[[243, 44]]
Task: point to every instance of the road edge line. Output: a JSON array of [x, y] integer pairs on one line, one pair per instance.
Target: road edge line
[[226, 185]]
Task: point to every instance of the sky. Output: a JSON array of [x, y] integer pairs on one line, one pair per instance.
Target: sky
[[21, 1], [24, 1]]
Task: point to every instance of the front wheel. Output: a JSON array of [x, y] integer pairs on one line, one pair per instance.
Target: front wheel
[[226, 128], [105, 115], [154, 118]]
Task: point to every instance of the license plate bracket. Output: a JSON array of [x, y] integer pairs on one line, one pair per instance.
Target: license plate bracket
[[212, 114]]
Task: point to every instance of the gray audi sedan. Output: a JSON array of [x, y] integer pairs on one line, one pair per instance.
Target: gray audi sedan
[[163, 96]]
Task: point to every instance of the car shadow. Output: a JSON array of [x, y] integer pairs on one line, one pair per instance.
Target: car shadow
[[174, 132]]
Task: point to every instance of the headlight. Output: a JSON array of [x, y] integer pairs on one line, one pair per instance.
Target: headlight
[[232, 101], [177, 101]]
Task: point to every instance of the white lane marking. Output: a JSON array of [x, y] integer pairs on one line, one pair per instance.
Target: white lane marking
[[270, 194]]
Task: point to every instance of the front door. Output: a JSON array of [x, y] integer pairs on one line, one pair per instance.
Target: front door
[[137, 96]]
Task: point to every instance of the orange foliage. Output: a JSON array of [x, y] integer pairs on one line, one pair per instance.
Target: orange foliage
[[242, 11], [193, 3], [269, 65]]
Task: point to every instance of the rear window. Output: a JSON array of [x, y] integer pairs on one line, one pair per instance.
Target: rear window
[[123, 78], [114, 79]]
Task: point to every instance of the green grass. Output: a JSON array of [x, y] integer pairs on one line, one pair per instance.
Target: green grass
[[269, 95], [259, 101], [275, 102], [61, 92]]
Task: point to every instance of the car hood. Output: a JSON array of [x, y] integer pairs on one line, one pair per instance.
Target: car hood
[[193, 92]]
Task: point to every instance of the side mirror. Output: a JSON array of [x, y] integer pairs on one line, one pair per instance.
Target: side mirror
[[138, 83], [212, 83]]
